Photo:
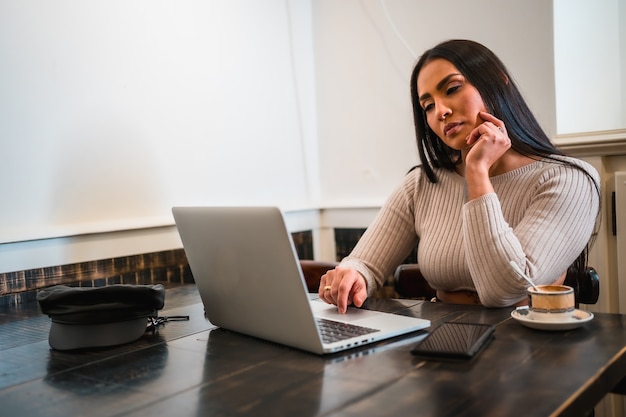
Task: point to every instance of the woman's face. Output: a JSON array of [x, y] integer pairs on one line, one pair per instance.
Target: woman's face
[[450, 102]]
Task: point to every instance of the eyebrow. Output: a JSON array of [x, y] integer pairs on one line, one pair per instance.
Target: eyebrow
[[440, 85]]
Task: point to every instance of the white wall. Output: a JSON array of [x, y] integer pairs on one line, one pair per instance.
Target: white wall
[[112, 112], [590, 60]]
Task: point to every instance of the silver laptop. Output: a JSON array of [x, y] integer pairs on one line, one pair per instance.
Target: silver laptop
[[247, 272]]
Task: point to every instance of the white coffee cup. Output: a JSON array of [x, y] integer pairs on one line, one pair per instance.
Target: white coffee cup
[[551, 302]]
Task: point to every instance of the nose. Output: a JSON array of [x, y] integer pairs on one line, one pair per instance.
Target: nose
[[444, 112], [441, 109]]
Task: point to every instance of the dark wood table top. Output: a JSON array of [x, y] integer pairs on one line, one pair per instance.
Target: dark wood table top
[[191, 368]]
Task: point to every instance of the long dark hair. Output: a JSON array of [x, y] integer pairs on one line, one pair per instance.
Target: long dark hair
[[486, 72]]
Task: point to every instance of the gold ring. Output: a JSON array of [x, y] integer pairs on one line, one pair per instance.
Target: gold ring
[[327, 288]]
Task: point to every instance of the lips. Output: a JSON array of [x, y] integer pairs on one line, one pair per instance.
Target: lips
[[451, 128]]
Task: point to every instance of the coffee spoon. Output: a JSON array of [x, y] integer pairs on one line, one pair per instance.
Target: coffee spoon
[[523, 275]]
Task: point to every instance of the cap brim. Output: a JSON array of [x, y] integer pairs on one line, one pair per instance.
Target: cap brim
[[80, 336]]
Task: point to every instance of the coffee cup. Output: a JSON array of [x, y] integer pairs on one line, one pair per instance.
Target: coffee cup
[[551, 302]]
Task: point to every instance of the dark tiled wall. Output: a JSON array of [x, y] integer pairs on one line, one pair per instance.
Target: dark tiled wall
[[303, 241], [150, 268], [166, 267], [346, 239]]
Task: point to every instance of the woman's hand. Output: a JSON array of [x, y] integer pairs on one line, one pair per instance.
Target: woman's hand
[[487, 142], [342, 287]]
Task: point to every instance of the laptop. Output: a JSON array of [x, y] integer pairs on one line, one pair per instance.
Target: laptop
[[249, 278]]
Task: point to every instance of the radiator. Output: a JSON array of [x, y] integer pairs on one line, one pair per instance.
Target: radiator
[[618, 232], [608, 255], [613, 283]]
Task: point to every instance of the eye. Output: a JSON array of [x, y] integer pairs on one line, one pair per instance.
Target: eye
[[427, 107], [452, 89]]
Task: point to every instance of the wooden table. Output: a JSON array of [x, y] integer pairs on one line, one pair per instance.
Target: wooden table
[[194, 369]]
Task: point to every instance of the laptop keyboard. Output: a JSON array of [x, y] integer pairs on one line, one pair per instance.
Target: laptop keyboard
[[334, 331]]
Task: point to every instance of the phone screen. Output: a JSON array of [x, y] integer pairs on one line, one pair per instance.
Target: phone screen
[[455, 340]]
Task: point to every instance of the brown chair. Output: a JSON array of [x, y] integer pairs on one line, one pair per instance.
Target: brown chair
[[408, 281], [313, 271]]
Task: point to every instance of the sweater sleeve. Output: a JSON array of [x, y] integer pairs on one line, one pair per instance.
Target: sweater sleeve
[[552, 232], [389, 238]]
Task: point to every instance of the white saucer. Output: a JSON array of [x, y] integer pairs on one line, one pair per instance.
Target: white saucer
[[577, 319]]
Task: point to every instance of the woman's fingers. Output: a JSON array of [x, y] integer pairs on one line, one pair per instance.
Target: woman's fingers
[[343, 287], [491, 126]]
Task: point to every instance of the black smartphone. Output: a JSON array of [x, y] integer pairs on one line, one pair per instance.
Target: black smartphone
[[453, 340]]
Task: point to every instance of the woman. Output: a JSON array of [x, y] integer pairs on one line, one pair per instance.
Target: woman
[[491, 189]]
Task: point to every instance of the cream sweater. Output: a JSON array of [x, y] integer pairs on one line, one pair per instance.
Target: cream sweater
[[540, 216]]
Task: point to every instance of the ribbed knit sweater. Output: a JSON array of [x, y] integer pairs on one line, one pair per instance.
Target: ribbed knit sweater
[[541, 216]]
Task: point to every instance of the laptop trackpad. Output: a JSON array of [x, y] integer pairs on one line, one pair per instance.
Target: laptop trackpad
[[329, 311]]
